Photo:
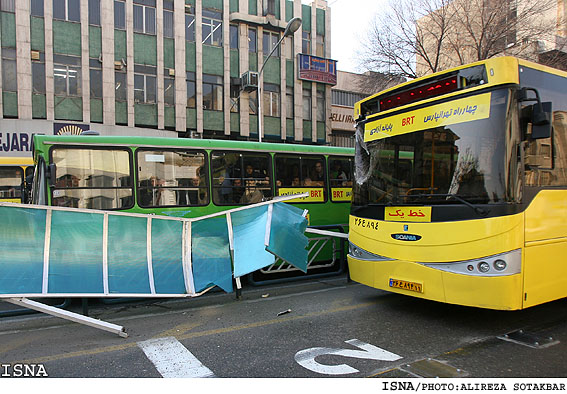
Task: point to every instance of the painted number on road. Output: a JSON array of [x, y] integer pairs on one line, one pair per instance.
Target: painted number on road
[[306, 358]]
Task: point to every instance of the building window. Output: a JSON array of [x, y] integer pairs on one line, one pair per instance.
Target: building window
[[235, 104], [289, 107], [307, 103], [271, 100], [119, 15], [37, 8], [306, 43], [189, 24], [145, 18], [212, 28], [9, 75], [270, 41], [346, 99], [67, 10], [120, 86], [269, 7], [38, 75], [288, 47], [320, 105], [94, 12], [191, 95], [233, 37], [253, 102], [252, 40], [67, 75], [169, 90], [320, 47], [95, 78], [8, 5], [212, 92], [145, 84], [167, 22]]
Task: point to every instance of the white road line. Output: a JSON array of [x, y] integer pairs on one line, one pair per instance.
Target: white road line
[[173, 360]]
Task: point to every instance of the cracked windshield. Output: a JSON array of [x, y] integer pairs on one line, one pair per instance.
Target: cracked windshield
[[465, 161]]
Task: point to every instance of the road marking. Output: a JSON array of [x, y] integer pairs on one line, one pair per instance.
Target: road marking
[[173, 360], [192, 335], [306, 358]]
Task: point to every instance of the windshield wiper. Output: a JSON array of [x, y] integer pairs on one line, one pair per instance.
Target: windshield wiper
[[479, 211]]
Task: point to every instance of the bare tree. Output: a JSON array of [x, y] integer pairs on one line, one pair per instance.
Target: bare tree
[[416, 37]]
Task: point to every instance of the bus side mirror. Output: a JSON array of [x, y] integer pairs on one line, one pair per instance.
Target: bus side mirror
[[541, 120], [541, 113], [51, 174]]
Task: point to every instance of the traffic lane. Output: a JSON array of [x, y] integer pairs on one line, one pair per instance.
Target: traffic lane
[[248, 339], [413, 329]]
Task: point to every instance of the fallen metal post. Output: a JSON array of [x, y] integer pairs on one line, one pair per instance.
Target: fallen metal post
[[75, 317]]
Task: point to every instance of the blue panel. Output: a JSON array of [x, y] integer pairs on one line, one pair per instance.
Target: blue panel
[[75, 254], [127, 255], [22, 238], [210, 254], [287, 235], [167, 256], [249, 228]]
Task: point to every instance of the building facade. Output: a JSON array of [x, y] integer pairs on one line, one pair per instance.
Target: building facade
[[164, 67]]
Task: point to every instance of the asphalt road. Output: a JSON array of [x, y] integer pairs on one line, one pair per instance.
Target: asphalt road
[[330, 328]]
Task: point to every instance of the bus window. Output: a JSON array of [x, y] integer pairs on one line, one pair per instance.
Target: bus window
[[340, 179], [11, 180], [171, 178], [298, 174], [240, 178], [92, 178]]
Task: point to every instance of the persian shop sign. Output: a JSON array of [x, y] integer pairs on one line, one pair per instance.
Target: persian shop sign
[[342, 118], [317, 69]]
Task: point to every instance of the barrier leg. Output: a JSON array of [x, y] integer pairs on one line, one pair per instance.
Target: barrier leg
[[89, 321]]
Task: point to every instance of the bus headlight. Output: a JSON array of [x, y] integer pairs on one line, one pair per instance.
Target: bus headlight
[[508, 263], [361, 254], [499, 265]]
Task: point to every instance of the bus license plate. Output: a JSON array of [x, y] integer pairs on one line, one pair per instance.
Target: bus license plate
[[402, 284]]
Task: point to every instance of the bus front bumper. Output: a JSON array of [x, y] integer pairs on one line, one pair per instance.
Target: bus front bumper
[[418, 280]]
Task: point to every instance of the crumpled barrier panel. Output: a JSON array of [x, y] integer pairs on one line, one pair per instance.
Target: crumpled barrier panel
[[210, 254], [249, 228], [167, 256], [287, 235], [127, 256], [22, 239], [75, 252]]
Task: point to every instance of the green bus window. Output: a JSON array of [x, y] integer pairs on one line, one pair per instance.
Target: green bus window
[[340, 179], [304, 173], [240, 178], [11, 179], [92, 178], [171, 178]]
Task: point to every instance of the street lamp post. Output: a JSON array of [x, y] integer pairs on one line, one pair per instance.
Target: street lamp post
[[290, 28]]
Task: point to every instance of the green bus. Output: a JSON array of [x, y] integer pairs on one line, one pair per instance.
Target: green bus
[[197, 177]]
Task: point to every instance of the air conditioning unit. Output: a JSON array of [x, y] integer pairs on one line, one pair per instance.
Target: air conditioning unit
[[34, 55], [250, 81]]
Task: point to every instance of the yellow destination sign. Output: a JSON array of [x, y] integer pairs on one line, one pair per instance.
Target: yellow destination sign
[[315, 193], [341, 193], [407, 214], [452, 112]]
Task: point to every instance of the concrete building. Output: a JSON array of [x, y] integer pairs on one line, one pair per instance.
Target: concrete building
[[166, 68]]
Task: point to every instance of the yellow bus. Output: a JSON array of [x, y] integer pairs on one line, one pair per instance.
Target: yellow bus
[[461, 186], [13, 173]]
